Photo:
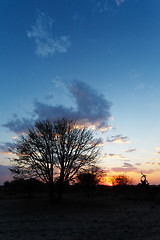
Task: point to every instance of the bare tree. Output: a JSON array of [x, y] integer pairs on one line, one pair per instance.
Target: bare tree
[[35, 154], [75, 148], [50, 147]]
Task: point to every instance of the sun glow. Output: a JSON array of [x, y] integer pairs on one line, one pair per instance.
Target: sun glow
[[106, 181]]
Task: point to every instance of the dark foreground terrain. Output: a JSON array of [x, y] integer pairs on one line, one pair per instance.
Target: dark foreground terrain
[[108, 214]]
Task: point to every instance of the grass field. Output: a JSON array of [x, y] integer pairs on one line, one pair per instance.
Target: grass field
[[115, 215]]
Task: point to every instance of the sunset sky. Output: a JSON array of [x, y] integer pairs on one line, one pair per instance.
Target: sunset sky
[[94, 60]]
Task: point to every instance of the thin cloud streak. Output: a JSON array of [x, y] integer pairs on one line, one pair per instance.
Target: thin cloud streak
[[114, 156], [127, 167], [118, 139], [130, 150]]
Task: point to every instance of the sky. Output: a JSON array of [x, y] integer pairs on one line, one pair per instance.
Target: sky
[[97, 61]]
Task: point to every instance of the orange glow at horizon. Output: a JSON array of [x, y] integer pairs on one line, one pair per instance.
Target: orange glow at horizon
[[6, 153], [133, 175], [153, 178], [106, 181]]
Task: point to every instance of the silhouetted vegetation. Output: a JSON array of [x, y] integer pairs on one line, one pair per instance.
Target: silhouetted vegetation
[[32, 188], [121, 180], [144, 180], [89, 178], [23, 186], [54, 151]]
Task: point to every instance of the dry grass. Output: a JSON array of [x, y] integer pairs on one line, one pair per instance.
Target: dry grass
[[109, 216]]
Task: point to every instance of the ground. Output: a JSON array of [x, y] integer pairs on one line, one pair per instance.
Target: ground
[[111, 215]]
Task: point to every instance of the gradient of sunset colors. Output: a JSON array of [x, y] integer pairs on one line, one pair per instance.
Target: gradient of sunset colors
[[97, 61]]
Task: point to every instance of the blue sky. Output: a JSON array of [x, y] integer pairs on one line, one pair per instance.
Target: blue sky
[[96, 60]]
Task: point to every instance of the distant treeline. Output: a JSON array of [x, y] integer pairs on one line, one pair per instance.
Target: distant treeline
[[31, 186]]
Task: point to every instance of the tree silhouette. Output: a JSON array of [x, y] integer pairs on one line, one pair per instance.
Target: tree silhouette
[[75, 148], [121, 179], [54, 147], [89, 178], [144, 180]]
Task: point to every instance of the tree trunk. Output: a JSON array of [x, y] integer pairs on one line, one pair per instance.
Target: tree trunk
[[61, 187], [51, 192], [60, 192]]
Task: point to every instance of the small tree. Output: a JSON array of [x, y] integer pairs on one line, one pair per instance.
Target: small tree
[[89, 178], [51, 147], [121, 179]]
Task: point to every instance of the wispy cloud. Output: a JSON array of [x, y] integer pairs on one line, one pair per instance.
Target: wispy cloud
[[152, 163], [114, 156], [91, 109], [138, 164], [118, 139], [18, 125], [119, 2], [46, 43], [58, 81], [130, 150], [157, 151], [127, 167], [5, 148], [100, 141], [149, 171], [49, 96], [102, 6]]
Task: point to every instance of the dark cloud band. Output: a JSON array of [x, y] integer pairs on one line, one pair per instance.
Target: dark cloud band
[[91, 108]]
